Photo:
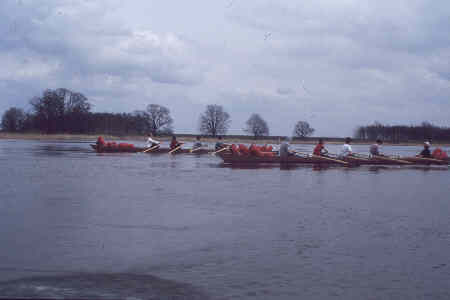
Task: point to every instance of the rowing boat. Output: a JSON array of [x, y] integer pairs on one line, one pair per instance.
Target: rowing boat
[[229, 158], [293, 159], [143, 149]]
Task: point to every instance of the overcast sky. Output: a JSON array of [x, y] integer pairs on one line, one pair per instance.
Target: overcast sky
[[334, 64]]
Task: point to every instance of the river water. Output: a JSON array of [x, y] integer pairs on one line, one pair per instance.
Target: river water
[[78, 224]]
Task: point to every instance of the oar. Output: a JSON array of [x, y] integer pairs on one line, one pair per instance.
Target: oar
[[323, 157], [330, 159], [391, 159], [430, 159], [356, 157], [298, 152], [360, 155], [151, 148], [174, 149], [220, 150], [194, 149]]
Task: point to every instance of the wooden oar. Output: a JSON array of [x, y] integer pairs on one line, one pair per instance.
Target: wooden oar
[[323, 157], [194, 149], [360, 155], [151, 148], [174, 149], [429, 159], [391, 159], [330, 159], [357, 158], [298, 152], [220, 150]]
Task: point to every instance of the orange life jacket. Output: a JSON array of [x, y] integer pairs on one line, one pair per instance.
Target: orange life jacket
[[438, 153], [243, 149], [256, 151], [235, 150]]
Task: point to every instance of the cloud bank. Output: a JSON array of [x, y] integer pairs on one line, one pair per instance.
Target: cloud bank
[[334, 64]]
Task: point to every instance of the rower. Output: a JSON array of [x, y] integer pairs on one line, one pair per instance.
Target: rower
[[375, 148], [346, 148], [284, 149], [100, 144], [151, 142], [426, 153], [174, 143], [197, 143], [219, 145], [320, 150]]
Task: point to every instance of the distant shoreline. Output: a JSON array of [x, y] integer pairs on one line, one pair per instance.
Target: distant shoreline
[[190, 138]]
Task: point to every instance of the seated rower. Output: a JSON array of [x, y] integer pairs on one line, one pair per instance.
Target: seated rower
[[346, 148], [151, 142], [284, 149], [426, 153], [197, 143], [100, 142], [375, 148], [219, 145], [174, 143], [320, 150]]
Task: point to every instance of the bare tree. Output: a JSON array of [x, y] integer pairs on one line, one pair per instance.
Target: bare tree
[[13, 120], [257, 126], [302, 129], [159, 119], [214, 120]]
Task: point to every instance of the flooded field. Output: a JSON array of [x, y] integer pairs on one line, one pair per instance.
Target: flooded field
[[74, 223]]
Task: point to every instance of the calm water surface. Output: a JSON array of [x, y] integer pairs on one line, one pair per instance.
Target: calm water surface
[[74, 223]]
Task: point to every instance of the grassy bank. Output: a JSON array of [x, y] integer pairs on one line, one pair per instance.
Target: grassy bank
[[190, 138]]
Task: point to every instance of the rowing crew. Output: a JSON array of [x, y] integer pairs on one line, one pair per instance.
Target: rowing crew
[[174, 143], [374, 150]]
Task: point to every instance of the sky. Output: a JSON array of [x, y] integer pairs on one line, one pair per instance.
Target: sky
[[334, 64]]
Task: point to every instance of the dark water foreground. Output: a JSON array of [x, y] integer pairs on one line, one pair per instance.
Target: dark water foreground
[[77, 224]]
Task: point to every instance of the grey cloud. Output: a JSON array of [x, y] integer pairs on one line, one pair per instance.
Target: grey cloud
[[74, 45], [361, 60]]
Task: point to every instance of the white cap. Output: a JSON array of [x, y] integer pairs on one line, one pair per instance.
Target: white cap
[[427, 143]]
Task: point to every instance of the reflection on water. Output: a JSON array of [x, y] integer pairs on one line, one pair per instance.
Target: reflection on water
[[98, 224], [58, 150]]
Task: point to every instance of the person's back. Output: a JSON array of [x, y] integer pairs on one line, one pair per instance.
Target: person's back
[[174, 143], [374, 149], [426, 150], [284, 149], [320, 148], [346, 148], [151, 142], [219, 145], [197, 143], [425, 153]]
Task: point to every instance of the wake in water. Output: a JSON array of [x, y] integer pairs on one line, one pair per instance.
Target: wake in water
[[100, 286]]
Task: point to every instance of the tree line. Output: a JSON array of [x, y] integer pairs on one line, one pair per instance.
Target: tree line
[[402, 133], [65, 111]]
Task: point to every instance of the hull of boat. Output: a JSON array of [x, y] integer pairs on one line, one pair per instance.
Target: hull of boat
[[350, 161], [426, 161], [236, 159], [154, 151]]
